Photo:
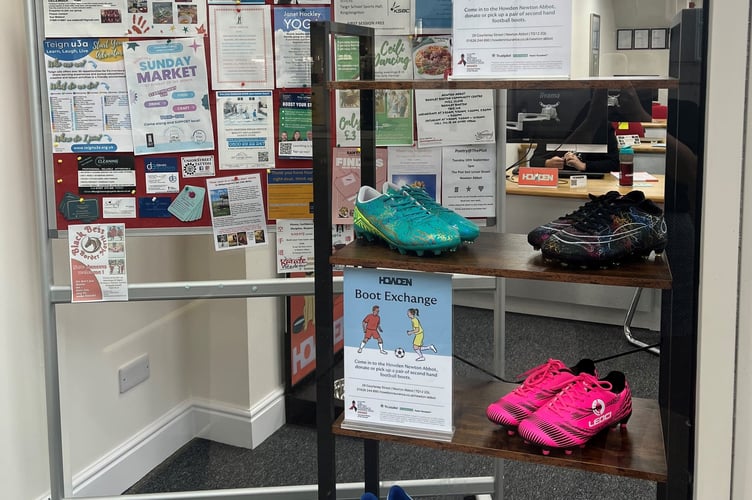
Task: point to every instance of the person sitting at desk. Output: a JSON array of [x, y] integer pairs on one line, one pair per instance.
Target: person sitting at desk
[[593, 123], [570, 160]]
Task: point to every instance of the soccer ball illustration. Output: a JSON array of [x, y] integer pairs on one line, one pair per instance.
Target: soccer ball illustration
[[399, 352]]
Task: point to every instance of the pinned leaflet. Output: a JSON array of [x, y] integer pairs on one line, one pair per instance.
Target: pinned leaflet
[[189, 204]]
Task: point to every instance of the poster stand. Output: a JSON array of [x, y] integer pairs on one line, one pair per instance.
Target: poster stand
[[398, 353]]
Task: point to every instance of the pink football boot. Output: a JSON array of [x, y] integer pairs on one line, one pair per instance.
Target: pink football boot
[[541, 384], [580, 411]]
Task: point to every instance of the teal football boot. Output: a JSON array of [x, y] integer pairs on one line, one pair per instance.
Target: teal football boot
[[468, 230], [402, 223]]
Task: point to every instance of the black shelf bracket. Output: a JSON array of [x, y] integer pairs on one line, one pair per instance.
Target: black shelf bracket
[[322, 70]]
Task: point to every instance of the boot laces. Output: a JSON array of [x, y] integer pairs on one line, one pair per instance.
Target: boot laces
[[408, 208], [575, 392], [421, 196], [535, 376], [591, 206], [597, 220]]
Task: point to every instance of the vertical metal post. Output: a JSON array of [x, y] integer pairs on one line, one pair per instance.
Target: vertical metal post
[[367, 114], [321, 74], [500, 294], [371, 465], [685, 171], [49, 329], [368, 177], [321, 71]]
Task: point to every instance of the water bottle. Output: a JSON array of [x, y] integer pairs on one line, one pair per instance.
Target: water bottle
[[626, 166]]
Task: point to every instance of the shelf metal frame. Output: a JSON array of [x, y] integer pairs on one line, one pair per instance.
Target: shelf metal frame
[[322, 39], [322, 85], [628, 324]]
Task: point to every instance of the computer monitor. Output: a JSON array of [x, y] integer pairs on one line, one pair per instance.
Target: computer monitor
[[562, 119]]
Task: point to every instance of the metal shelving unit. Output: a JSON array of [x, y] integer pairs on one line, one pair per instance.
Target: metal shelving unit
[[495, 254]]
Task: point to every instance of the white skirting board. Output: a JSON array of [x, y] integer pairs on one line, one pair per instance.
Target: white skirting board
[[125, 465]]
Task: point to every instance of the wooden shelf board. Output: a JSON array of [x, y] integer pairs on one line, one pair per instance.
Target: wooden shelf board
[[542, 84], [636, 451], [506, 255]]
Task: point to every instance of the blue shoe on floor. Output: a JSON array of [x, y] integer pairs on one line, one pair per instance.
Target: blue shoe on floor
[[468, 230], [397, 493]]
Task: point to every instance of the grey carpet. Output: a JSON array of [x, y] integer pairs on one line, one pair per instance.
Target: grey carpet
[[288, 457]]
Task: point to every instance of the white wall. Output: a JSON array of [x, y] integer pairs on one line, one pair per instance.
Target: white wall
[[265, 327], [580, 55], [639, 14], [23, 459], [742, 438], [742, 479], [218, 337], [96, 339], [198, 349], [719, 308], [618, 14]]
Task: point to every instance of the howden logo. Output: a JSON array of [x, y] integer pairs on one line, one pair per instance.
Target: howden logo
[[537, 177], [390, 280]]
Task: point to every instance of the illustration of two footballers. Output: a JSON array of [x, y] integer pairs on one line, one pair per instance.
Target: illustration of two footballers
[[372, 330]]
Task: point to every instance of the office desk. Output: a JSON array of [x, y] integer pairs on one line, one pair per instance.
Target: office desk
[[652, 190], [655, 129], [646, 147], [529, 207], [648, 158]]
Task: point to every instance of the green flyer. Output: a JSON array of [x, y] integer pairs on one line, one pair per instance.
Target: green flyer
[[394, 117]]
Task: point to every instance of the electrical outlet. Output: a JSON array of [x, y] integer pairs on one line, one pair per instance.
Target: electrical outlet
[[133, 373]]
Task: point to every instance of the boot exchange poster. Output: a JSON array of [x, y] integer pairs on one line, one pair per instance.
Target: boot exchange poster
[[398, 353]]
